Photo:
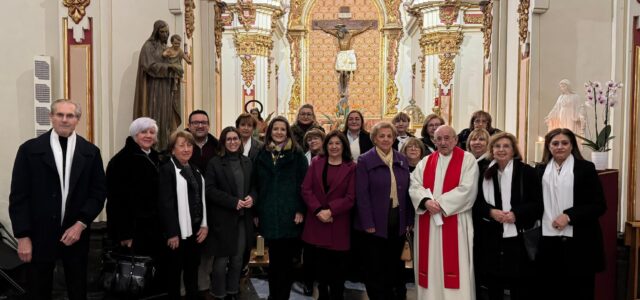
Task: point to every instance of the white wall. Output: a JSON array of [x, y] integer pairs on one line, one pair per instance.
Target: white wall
[[31, 28], [467, 95], [575, 46], [27, 28]]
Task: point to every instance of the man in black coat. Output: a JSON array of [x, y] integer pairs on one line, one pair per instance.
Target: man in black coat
[[207, 144], [57, 190]]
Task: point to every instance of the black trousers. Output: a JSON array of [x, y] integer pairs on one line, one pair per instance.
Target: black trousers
[[282, 253], [185, 259], [513, 271], [328, 266], [40, 277], [561, 275]]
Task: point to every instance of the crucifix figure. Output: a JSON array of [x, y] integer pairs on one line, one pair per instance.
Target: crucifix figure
[[346, 60]]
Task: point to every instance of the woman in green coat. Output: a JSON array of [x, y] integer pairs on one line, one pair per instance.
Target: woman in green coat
[[280, 167]]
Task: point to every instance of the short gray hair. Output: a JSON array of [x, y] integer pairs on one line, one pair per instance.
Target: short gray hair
[[382, 125], [77, 110], [141, 124]]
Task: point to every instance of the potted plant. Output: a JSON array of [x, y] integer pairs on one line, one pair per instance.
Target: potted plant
[[604, 97]]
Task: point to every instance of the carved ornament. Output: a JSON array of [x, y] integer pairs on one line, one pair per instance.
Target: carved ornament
[[487, 25], [246, 13], [446, 67], [393, 38], [296, 12], [253, 44], [277, 14], [269, 62], [294, 38], [77, 9], [449, 12], [473, 18], [248, 69], [393, 10], [523, 20], [441, 42], [392, 98], [423, 68], [219, 9], [189, 17]]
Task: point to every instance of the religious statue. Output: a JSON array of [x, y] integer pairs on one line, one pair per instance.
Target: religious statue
[[175, 55], [155, 97], [346, 60], [568, 111]]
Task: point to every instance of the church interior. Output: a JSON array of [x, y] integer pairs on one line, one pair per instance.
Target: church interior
[[516, 59]]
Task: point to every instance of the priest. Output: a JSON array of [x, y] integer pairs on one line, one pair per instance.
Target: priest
[[443, 189]]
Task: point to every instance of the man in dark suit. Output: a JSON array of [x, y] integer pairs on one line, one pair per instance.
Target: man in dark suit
[[57, 189]]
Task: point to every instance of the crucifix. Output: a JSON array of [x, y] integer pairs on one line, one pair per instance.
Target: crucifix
[[344, 30]]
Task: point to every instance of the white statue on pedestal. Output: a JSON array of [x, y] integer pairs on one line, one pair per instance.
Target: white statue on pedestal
[[568, 112]]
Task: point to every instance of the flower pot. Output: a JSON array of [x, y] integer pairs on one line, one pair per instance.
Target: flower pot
[[600, 159]]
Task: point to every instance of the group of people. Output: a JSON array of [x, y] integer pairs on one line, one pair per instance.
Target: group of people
[[335, 197]]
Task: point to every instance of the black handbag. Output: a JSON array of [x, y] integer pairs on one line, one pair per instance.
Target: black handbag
[[531, 239], [531, 236], [126, 274]]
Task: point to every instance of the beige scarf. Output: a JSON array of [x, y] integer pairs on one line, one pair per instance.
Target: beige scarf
[[388, 160]]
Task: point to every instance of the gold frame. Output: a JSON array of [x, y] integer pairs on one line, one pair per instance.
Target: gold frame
[[88, 105], [523, 140], [305, 12], [631, 194]]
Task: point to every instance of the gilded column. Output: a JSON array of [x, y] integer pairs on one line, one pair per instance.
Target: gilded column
[[393, 34], [295, 38]]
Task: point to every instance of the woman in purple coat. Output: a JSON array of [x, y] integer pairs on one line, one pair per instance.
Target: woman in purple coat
[[329, 192], [384, 213]]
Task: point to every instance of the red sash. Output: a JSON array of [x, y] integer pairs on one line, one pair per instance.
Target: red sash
[[449, 228]]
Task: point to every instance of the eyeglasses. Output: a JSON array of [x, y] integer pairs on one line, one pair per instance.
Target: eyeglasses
[[199, 123], [232, 139]]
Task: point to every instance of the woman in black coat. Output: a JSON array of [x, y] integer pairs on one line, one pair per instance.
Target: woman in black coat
[[431, 123], [231, 196], [183, 212], [571, 249], [509, 200], [132, 190], [359, 139]]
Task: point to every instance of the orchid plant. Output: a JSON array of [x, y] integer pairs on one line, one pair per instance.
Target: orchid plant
[[606, 96]]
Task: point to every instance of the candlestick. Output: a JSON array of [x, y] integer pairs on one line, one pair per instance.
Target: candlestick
[[539, 149]]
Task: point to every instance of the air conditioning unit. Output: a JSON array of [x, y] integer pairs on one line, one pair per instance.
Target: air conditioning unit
[[41, 93]]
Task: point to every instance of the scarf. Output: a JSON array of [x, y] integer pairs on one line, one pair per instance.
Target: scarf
[[401, 140], [184, 214], [557, 193], [489, 192], [388, 160], [63, 175], [450, 260], [276, 150]]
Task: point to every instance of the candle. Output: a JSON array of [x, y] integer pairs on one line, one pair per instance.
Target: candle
[[539, 149], [259, 246]]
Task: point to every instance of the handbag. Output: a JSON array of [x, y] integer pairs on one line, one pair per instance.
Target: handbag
[[531, 236], [531, 239], [407, 251], [126, 274]]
